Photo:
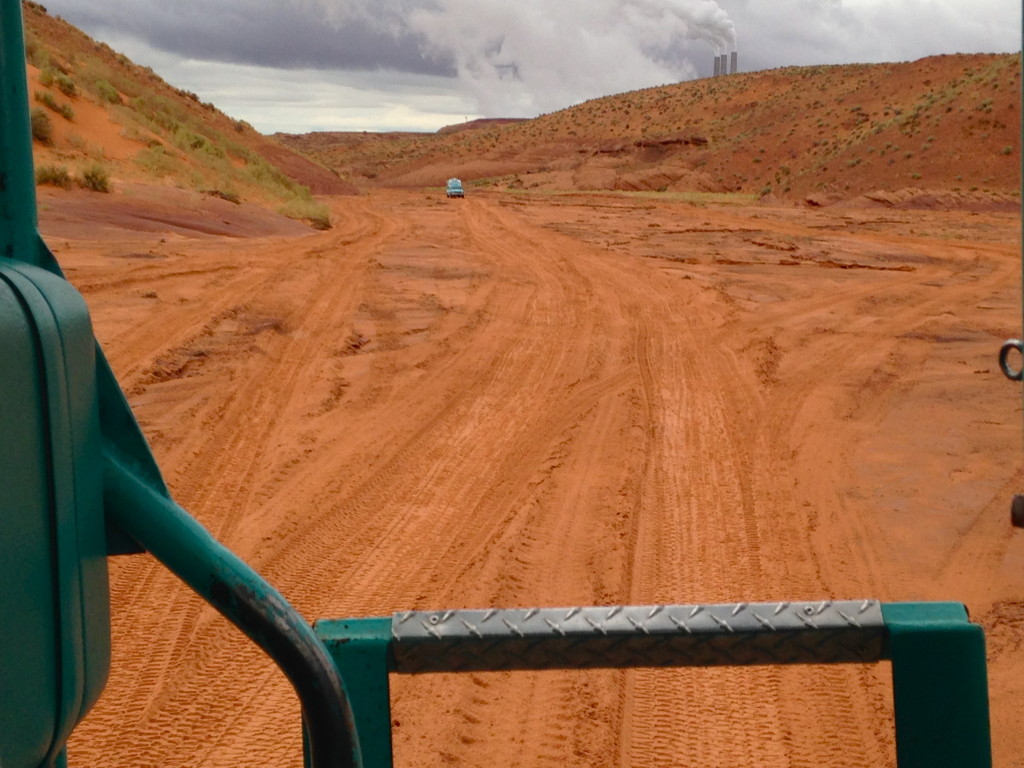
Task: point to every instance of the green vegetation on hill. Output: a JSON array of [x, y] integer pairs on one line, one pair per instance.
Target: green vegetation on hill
[[943, 122], [180, 139]]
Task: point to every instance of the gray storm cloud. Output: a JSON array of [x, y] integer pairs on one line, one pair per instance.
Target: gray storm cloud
[[521, 57], [518, 58]]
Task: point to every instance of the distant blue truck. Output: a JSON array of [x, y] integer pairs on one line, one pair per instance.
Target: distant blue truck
[[454, 188]]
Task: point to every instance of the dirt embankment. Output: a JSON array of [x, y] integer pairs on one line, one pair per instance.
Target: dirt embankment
[[530, 401], [98, 110], [949, 123], [318, 179]]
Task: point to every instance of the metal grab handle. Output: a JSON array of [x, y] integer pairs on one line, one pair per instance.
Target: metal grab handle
[[1004, 361], [940, 682], [188, 550]]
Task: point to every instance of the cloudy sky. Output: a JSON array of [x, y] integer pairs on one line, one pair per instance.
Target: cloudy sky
[[304, 65]]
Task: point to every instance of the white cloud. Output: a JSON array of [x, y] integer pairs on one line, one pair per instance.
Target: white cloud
[[801, 32], [532, 55], [384, 64]]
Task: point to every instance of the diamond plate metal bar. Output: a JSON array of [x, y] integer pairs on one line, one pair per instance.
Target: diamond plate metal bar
[[638, 636]]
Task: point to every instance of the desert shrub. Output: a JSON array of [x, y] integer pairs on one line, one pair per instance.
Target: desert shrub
[[305, 208], [35, 53], [64, 110], [1007, 150], [273, 181], [156, 161], [214, 150], [160, 111], [46, 76], [66, 85], [107, 92], [183, 138], [42, 126], [95, 178], [54, 176]]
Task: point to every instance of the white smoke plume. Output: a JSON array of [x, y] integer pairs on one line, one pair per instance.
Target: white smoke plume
[[527, 56]]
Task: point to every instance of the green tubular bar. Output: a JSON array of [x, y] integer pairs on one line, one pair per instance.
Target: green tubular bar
[[940, 687], [240, 594], [361, 650], [18, 230]]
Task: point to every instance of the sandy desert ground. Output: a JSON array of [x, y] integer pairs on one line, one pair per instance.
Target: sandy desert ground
[[526, 400]]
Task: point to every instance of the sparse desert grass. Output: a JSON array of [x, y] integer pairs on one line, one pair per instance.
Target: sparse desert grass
[[305, 208], [42, 126], [54, 176], [95, 178], [206, 157], [94, 151], [64, 110], [158, 162], [184, 138], [107, 92], [65, 85], [35, 53]]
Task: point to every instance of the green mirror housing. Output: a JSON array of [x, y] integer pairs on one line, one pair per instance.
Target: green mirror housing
[[54, 594]]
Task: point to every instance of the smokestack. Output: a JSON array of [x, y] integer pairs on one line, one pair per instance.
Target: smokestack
[[732, 63], [723, 66], [718, 65]]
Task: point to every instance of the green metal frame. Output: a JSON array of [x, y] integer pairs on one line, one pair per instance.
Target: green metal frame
[[361, 650], [940, 687], [55, 645], [78, 482]]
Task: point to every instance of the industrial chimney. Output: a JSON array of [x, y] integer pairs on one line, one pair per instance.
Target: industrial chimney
[[718, 65], [723, 64], [732, 63]]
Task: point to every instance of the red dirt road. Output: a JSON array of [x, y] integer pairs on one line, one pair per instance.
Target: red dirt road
[[546, 401]]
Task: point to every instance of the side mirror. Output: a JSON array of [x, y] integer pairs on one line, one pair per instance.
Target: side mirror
[[54, 595]]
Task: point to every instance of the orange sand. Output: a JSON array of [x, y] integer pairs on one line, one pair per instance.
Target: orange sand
[[544, 401]]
